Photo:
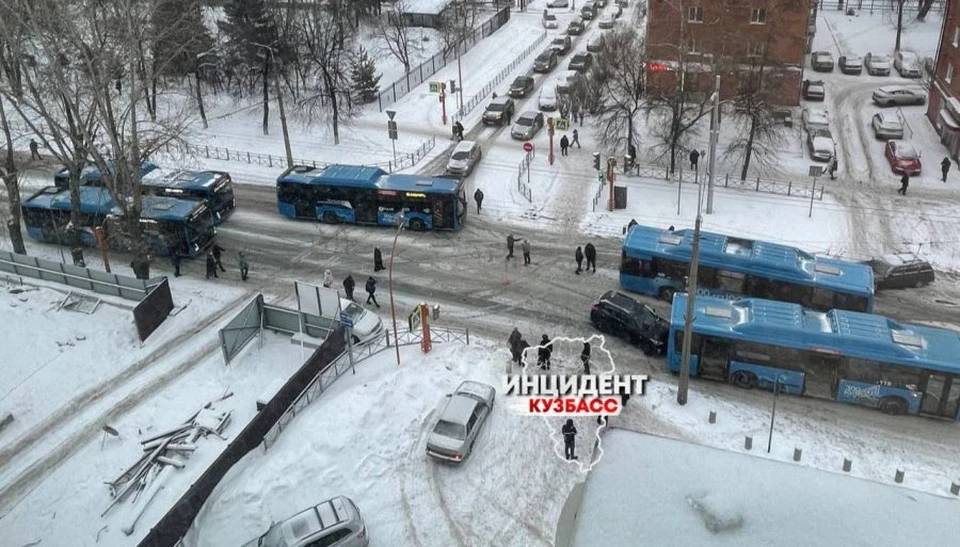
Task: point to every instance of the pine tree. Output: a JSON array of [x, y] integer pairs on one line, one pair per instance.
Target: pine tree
[[366, 81]]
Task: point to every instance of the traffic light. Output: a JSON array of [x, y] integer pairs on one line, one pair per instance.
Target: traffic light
[[596, 160]]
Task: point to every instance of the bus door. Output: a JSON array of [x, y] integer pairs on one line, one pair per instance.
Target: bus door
[[443, 214], [940, 395], [714, 358], [365, 206]]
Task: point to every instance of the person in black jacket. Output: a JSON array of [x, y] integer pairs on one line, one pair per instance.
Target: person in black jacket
[[585, 357], [377, 260], [217, 253], [348, 286], [478, 197], [543, 353], [569, 432], [244, 267], [521, 349], [371, 289], [175, 261], [590, 252], [514, 343], [211, 266], [579, 256]]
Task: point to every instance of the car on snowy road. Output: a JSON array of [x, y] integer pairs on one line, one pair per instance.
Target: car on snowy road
[[581, 61], [821, 61], [851, 64], [464, 158], [607, 20], [903, 157], [461, 419], [887, 126], [546, 61], [558, 3], [576, 27], [901, 270], [521, 87], [333, 522], [527, 125], [561, 44], [367, 326], [595, 43], [499, 111], [877, 65], [548, 97], [898, 95], [549, 20], [617, 314], [821, 144]]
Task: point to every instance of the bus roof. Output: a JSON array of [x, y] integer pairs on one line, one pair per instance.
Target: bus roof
[[91, 173], [419, 183], [168, 208], [749, 256], [188, 180], [357, 176], [96, 200], [851, 333]]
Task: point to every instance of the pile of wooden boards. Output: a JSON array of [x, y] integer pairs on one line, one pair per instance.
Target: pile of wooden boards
[[162, 453]]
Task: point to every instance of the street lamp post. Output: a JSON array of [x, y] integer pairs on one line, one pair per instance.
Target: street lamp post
[[283, 112], [714, 137], [393, 308]]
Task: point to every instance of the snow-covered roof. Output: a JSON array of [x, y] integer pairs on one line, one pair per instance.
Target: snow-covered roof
[[675, 493]]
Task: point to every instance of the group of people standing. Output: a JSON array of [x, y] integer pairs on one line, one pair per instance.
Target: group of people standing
[[566, 143], [589, 252]]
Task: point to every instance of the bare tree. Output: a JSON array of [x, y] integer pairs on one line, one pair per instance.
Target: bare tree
[[392, 29], [900, 3], [618, 75], [328, 48], [925, 6], [11, 180]]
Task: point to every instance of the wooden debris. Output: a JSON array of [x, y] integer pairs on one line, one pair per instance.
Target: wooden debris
[[171, 461]]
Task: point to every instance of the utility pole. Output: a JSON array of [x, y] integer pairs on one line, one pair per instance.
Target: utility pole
[[714, 137], [683, 384]]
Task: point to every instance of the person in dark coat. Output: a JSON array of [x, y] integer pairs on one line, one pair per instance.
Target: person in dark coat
[[244, 267], [579, 256], [371, 289], [211, 266], [458, 131], [525, 247], [510, 241], [670, 229], [543, 353], [945, 168], [576, 139], [633, 222], [348, 285], [694, 159], [217, 254], [832, 168], [34, 150], [478, 197], [377, 260], [175, 262], [590, 252], [514, 343], [904, 183], [521, 349], [564, 144], [569, 432], [585, 357]]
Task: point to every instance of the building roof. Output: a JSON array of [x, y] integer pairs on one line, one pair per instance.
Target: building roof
[[853, 333], [775, 260], [676, 493]]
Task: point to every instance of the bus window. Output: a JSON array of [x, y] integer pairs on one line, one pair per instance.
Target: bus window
[[751, 352], [632, 266], [730, 281], [822, 299], [760, 287], [670, 268], [851, 302], [900, 377], [862, 370], [707, 277]]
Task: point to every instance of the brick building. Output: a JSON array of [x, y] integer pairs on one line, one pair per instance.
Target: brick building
[[943, 108], [731, 36]]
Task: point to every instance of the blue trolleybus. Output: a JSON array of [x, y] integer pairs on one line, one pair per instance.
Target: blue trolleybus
[[215, 188], [171, 225], [846, 356], [657, 262], [368, 195]]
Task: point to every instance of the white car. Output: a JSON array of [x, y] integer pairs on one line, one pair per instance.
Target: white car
[[558, 3], [887, 126], [566, 79], [466, 410], [464, 158], [815, 118], [548, 98], [908, 64], [607, 20], [821, 145], [367, 326], [877, 65], [549, 20]]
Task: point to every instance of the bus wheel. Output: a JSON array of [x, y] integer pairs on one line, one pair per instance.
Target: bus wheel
[[667, 293], [744, 379], [894, 406], [330, 217], [647, 347], [417, 225]]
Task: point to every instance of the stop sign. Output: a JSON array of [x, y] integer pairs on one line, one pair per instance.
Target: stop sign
[[528, 147]]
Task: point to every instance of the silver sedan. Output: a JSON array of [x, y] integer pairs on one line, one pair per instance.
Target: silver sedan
[[461, 419], [895, 95], [887, 126]]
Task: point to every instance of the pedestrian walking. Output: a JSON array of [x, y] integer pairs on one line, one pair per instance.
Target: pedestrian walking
[[694, 159], [569, 432], [514, 343], [328, 279], [348, 285], [478, 197], [579, 256], [544, 352], [175, 262], [576, 139], [371, 288], [458, 131], [522, 350], [34, 150], [217, 255], [510, 241], [633, 222], [377, 260], [945, 168], [832, 168], [525, 247], [244, 267], [590, 252], [585, 357], [575, 111], [904, 183], [564, 143], [211, 266], [670, 229]]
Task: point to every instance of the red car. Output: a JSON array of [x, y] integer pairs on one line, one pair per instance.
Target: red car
[[903, 157]]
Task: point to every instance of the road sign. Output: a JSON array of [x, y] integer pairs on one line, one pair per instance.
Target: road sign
[[562, 124], [528, 147], [435, 87], [346, 320], [392, 130], [816, 170], [391, 113]]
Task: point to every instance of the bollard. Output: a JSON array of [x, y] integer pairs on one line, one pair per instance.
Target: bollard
[[796, 454], [898, 478], [847, 464], [713, 417], [748, 443]]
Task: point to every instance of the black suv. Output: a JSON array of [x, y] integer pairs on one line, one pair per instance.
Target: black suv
[[899, 271], [499, 111], [618, 314], [521, 87]]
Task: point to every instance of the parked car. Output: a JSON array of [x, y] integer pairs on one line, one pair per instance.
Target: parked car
[[575, 28], [822, 61], [558, 3], [600, 3], [814, 117], [464, 158], [527, 125], [547, 101], [623, 3], [821, 145], [546, 61], [813, 90], [549, 20], [561, 44], [499, 111], [901, 270], [333, 522], [895, 95], [581, 61], [521, 87], [877, 65], [607, 20], [887, 126], [851, 64], [461, 420], [620, 315], [588, 11], [908, 64], [903, 157], [566, 80], [595, 43]]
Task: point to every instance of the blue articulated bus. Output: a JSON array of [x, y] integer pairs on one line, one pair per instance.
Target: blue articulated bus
[[170, 225], [846, 356], [369, 195], [657, 262], [215, 188]]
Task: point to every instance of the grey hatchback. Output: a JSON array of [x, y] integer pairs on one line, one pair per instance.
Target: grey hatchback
[[461, 419], [336, 522], [899, 271]]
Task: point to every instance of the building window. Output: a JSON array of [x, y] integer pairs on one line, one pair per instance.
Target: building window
[[948, 77], [755, 49], [758, 16], [695, 14], [956, 37], [692, 47]]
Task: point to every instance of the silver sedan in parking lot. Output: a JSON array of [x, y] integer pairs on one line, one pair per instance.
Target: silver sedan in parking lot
[[895, 95], [460, 421], [887, 126]]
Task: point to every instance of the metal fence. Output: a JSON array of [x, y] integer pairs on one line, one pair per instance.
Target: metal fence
[[800, 189], [909, 7], [487, 89], [128, 288], [428, 68], [524, 187], [598, 195], [403, 161]]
